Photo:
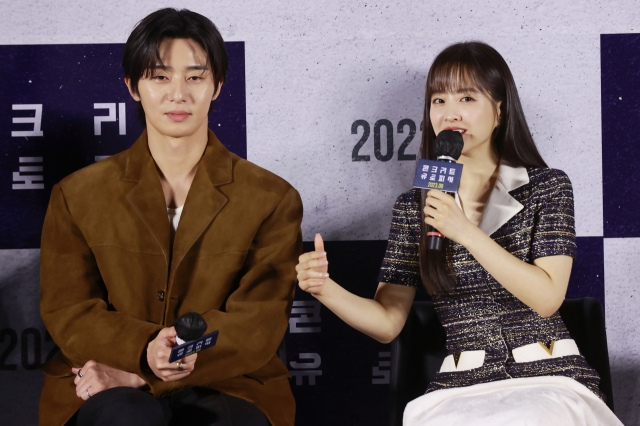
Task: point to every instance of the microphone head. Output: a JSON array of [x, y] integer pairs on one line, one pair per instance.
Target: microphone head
[[448, 143], [190, 326]]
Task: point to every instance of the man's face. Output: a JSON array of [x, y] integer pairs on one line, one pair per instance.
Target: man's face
[[177, 94]]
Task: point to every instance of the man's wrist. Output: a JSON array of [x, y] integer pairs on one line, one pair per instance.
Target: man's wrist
[[138, 382]]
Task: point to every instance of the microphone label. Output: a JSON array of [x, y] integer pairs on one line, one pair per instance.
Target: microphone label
[[189, 348], [432, 174]]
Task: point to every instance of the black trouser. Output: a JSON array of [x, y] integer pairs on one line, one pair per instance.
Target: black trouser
[[125, 406]]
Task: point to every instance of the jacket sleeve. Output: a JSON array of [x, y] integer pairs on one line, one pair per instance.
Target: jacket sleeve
[[73, 298], [554, 230], [256, 313]]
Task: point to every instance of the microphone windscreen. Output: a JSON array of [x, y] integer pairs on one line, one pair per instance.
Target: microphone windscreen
[[448, 143], [190, 326]]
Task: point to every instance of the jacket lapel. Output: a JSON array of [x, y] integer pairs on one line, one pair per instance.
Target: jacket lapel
[[204, 200], [501, 206], [146, 196]]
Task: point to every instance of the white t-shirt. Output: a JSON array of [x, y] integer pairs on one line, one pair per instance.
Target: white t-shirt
[[174, 219]]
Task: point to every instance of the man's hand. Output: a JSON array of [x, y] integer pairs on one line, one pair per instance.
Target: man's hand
[[158, 353], [94, 377]]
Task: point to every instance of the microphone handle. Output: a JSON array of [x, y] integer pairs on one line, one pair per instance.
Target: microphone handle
[[435, 238]]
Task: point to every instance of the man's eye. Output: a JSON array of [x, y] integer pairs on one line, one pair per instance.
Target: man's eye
[[160, 77]]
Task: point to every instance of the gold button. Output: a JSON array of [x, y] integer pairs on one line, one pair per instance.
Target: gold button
[[161, 295]]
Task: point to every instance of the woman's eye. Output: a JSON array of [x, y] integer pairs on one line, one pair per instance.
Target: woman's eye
[[466, 99], [438, 101]]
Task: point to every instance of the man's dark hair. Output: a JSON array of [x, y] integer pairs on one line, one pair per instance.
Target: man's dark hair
[[142, 49]]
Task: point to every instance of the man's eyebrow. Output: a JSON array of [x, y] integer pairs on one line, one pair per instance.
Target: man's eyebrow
[[198, 67], [190, 67]]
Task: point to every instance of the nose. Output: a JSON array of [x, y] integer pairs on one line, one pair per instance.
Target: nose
[[452, 112], [178, 90]]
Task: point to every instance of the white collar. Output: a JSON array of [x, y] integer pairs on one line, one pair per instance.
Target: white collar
[[501, 206]]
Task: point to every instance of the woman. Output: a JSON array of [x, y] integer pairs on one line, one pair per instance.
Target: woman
[[502, 274]]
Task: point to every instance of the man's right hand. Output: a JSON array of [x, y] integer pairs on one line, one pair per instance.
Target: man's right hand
[[158, 352]]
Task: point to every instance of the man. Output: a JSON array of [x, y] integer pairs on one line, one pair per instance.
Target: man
[[174, 224]]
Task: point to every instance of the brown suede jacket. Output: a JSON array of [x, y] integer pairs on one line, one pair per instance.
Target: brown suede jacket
[[109, 280]]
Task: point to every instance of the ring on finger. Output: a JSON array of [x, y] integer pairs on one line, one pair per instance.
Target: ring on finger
[[80, 373], [88, 394], [180, 366]]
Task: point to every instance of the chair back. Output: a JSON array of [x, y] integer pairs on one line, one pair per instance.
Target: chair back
[[584, 319]]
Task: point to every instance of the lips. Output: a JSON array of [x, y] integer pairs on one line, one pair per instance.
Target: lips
[[456, 129], [178, 115]]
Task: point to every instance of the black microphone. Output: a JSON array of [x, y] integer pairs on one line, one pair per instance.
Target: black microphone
[[447, 147], [190, 326]]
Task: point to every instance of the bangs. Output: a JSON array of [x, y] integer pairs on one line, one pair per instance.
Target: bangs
[[150, 60], [456, 77]]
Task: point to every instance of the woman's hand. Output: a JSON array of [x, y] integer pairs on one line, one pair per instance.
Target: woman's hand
[[158, 352], [94, 377], [312, 268], [442, 212]]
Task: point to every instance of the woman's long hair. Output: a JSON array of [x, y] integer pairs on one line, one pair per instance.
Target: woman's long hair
[[472, 65]]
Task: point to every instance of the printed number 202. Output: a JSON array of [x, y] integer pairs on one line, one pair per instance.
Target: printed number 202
[[30, 347], [377, 139]]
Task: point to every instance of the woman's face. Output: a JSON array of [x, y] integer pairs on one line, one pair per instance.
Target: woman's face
[[468, 111], [176, 96]]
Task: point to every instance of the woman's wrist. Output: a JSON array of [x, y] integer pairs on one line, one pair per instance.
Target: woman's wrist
[[327, 288], [471, 237]]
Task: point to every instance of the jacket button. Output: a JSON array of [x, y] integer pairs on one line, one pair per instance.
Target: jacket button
[[161, 295]]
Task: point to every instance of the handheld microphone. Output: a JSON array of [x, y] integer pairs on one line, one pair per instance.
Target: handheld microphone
[[190, 329], [447, 148], [190, 326]]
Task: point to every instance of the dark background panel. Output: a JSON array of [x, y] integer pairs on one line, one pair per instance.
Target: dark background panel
[[620, 83], [68, 80], [587, 275], [344, 394]]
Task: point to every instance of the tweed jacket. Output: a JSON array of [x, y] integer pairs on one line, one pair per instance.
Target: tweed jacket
[[530, 214], [110, 279]]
